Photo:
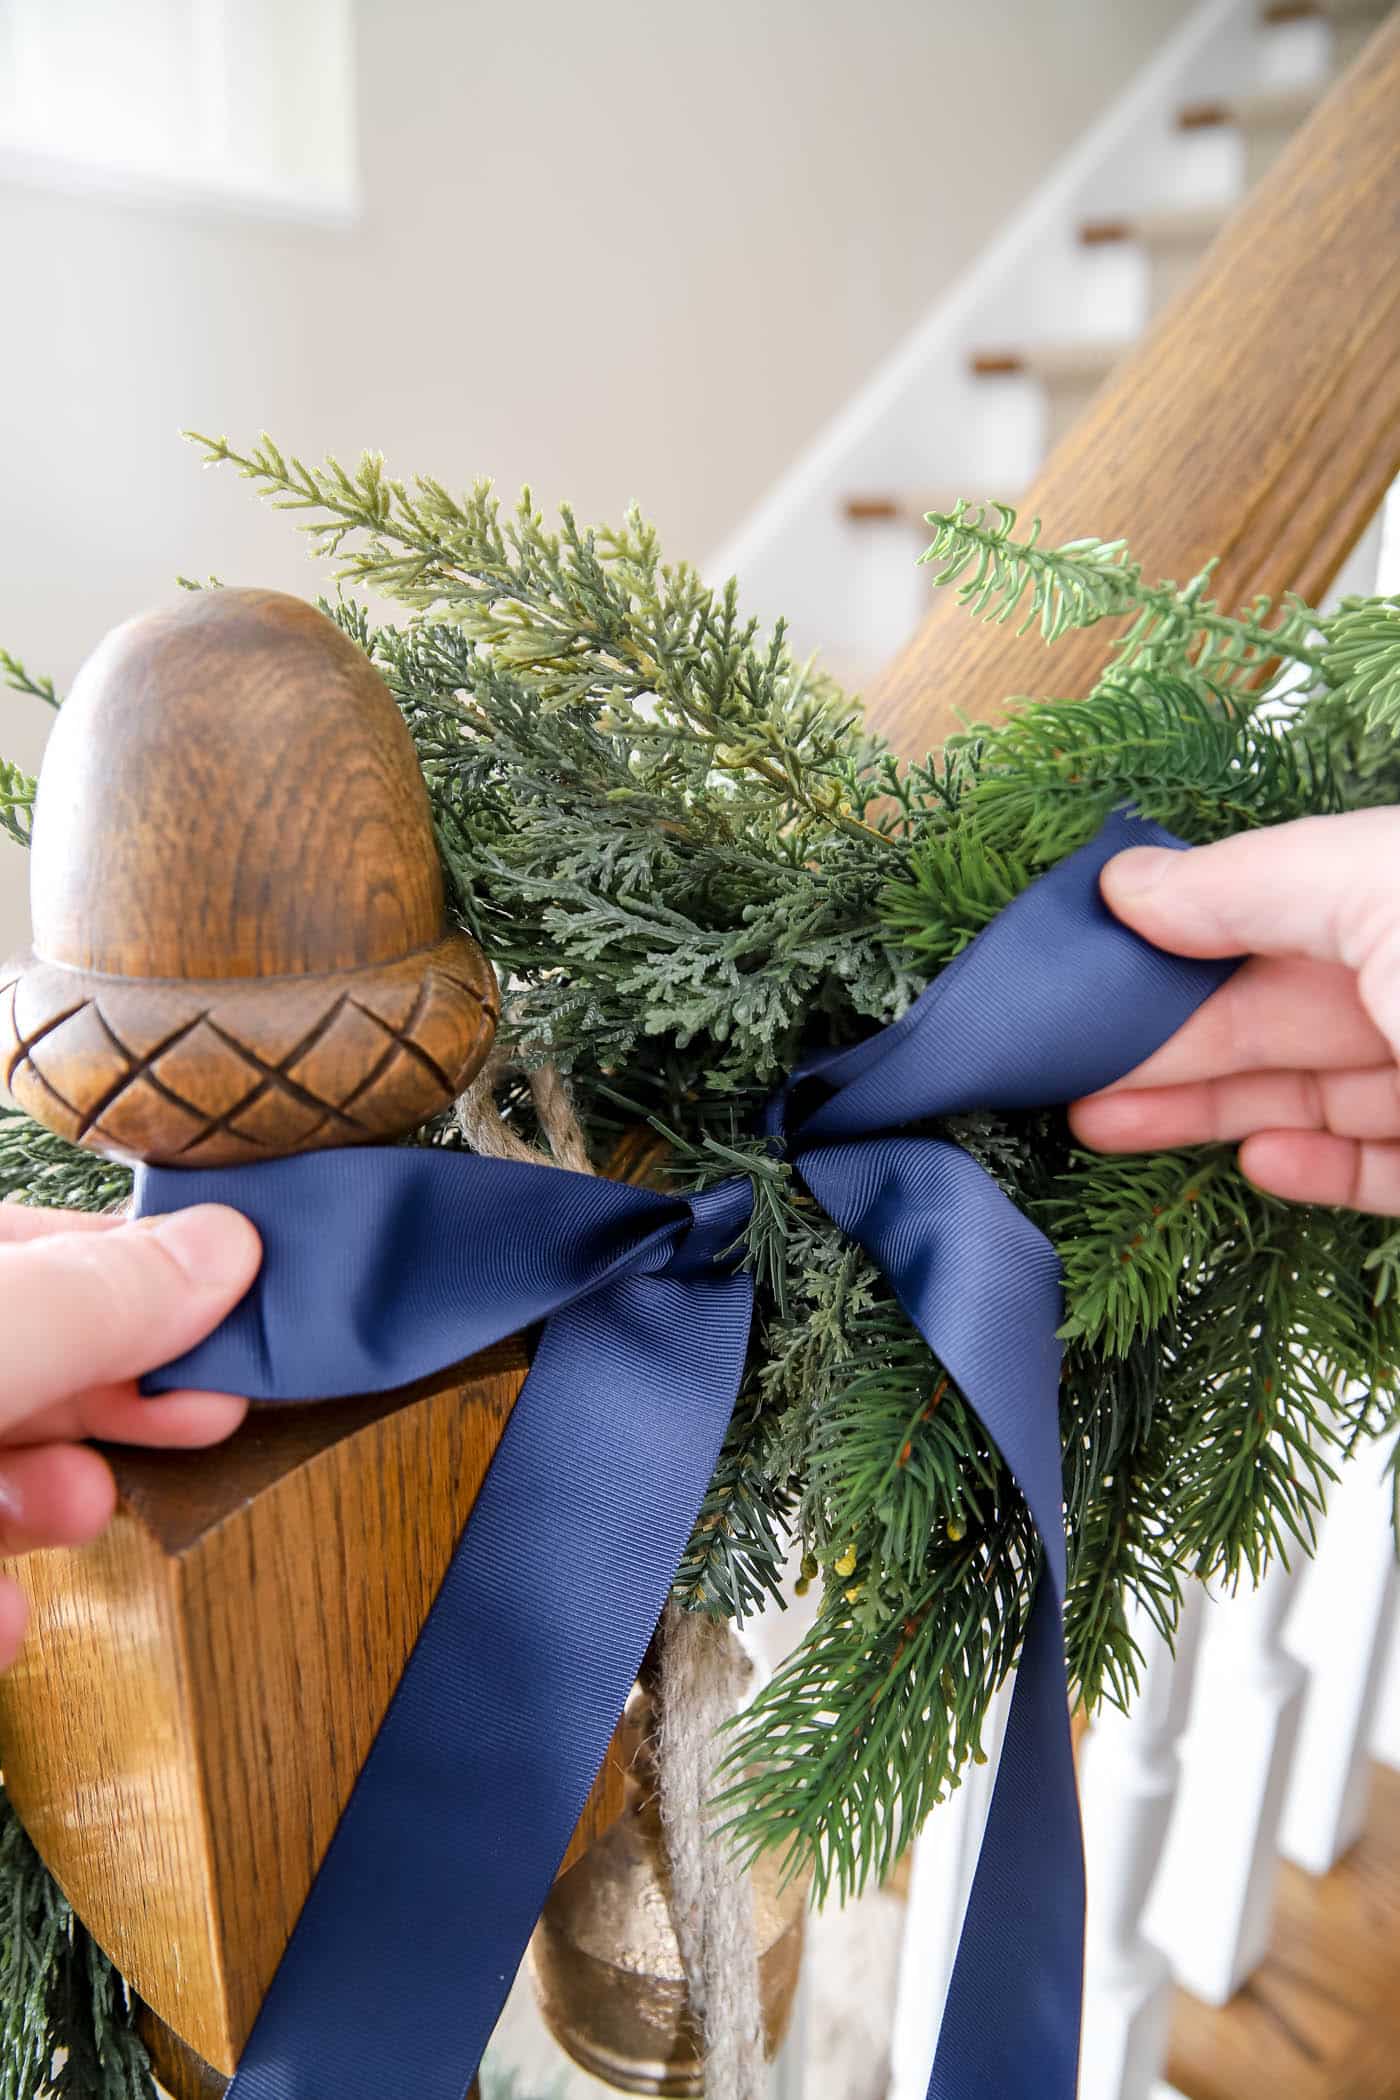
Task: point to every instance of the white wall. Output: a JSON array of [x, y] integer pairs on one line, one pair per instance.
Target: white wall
[[637, 248]]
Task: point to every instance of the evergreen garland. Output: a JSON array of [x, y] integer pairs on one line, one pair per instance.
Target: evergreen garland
[[690, 861]]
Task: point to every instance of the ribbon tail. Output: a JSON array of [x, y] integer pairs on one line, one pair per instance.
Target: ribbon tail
[[423, 1907], [1011, 2021], [981, 1284]]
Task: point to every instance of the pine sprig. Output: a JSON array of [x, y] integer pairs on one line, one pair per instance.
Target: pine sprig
[[1119, 1452], [1053, 588], [1040, 784], [17, 787], [17, 791], [590, 618], [875, 1716], [733, 1565], [1133, 1234], [1085, 581], [1361, 661], [37, 1166], [14, 675], [894, 1460]]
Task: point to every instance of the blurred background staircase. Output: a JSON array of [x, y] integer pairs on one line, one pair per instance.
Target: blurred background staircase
[[1006, 363]]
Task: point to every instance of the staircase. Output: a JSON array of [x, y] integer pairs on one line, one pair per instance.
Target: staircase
[[1009, 359]]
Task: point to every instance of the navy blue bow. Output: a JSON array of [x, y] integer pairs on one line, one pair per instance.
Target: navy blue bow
[[383, 1265]]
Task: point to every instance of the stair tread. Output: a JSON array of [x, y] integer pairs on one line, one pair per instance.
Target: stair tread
[[909, 506], [1163, 226], [1266, 108], [1325, 11], [1320, 2017], [1088, 357]]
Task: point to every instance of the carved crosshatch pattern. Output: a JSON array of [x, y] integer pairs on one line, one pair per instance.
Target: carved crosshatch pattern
[[169, 1071]]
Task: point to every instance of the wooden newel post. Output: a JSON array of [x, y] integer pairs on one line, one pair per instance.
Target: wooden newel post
[[239, 952]]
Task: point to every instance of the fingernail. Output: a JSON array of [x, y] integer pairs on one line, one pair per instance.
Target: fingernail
[[210, 1242], [1140, 869], [11, 1501]]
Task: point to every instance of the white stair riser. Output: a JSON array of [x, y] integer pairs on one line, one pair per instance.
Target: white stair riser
[[1385, 1740]]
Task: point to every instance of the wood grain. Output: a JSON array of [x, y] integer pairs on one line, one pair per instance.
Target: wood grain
[[200, 1687], [1258, 421], [211, 1072], [239, 947], [1320, 2019], [230, 791], [182, 2074]]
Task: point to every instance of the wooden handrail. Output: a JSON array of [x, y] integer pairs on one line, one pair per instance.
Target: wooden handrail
[[1259, 421]]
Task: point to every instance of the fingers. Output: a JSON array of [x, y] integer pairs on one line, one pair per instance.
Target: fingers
[[89, 1309], [1221, 1111], [1315, 1167], [53, 1495], [174, 1421], [1278, 1012], [121, 1414], [1306, 1163], [1323, 887], [23, 1221], [1297, 1054], [87, 1303]]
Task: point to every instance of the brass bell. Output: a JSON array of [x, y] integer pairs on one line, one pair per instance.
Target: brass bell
[[605, 1958]]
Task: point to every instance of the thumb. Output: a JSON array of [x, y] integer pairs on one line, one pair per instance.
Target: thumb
[[95, 1308], [1324, 887]]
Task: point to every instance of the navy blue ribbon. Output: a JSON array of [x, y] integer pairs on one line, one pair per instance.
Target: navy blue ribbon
[[383, 1265]]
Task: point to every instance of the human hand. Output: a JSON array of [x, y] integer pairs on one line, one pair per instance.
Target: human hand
[[1298, 1056], [86, 1305]]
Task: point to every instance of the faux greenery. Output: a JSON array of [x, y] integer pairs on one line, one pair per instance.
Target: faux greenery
[[690, 860]]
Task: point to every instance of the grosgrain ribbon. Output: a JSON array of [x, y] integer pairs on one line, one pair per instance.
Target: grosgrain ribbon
[[381, 1265]]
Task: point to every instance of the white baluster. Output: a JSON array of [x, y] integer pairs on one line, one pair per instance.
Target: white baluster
[[1341, 1633], [1212, 1909], [1385, 1741], [1128, 1774], [787, 2075], [944, 1858]]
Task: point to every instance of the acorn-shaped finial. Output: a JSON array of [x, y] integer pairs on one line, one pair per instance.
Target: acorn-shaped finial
[[239, 947]]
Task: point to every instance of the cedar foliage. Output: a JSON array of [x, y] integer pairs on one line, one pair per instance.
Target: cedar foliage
[[65, 2023], [690, 860]]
